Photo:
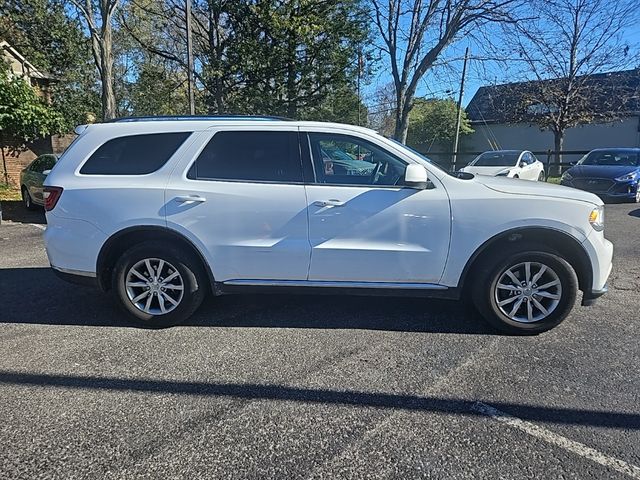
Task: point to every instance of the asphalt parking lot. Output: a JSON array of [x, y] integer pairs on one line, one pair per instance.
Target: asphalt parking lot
[[312, 387]]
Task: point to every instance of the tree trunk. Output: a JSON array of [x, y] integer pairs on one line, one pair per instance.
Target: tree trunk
[[4, 163], [402, 118], [558, 141], [106, 60]]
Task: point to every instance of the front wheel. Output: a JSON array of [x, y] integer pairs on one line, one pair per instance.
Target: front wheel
[[541, 177], [527, 293], [158, 284]]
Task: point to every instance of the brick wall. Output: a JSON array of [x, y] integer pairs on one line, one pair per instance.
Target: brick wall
[[17, 157], [59, 143]]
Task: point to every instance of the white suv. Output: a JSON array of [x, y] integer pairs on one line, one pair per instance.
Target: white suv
[[163, 211]]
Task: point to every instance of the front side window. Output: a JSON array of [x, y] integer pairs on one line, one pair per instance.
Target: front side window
[[345, 160], [134, 154], [260, 156]]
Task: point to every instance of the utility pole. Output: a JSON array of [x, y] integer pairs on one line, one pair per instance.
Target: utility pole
[[359, 75], [191, 87], [459, 119]]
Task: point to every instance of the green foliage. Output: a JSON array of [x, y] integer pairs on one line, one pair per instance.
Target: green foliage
[[23, 113], [297, 54], [45, 33], [158, 91], [434, 122]]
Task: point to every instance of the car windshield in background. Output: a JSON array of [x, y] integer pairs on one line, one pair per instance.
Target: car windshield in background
[[611, 158], [496, 159]]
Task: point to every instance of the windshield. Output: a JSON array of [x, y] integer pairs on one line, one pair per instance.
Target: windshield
[[611, 158], [496, 159]]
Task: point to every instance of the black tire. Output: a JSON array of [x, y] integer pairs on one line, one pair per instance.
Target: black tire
[[27, 201], [541, 177], [516, 176], [488, 274], [192, 277]]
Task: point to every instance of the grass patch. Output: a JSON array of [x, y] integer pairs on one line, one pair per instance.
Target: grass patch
[[9, 193], [555, 180]]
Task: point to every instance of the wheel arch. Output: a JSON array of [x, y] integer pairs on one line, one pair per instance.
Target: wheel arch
[[565, 244], [122, 240]]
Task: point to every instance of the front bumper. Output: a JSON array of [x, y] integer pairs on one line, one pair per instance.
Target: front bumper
[[605, 188], [590, 296]]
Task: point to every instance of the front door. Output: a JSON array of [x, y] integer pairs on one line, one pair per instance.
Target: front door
[[364, 226], [243, 202]]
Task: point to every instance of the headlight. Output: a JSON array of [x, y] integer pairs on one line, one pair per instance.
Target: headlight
[[566, 176], [596, 218], [503, 174], [627, 177]]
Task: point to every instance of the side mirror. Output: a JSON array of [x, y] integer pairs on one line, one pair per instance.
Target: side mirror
[[415, 176], [522, 164], [46, 172]]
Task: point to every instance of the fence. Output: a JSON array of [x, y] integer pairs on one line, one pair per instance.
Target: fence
[[444, 159]]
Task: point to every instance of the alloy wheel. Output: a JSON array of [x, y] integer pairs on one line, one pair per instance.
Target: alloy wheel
[[528, 292], [154, 286]]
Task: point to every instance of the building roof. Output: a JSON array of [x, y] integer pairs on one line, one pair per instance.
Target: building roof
[[19, 65], [615, 91]]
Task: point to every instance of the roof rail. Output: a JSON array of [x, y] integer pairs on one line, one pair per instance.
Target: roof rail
[[198, 117]]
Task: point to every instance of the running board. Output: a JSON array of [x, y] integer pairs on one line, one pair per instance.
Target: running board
[[323, 283]]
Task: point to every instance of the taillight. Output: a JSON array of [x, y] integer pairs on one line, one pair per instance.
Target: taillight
[[51, 197]]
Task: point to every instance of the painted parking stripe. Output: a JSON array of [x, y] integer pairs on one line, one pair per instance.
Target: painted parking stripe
[[37, 225], [558, 440]]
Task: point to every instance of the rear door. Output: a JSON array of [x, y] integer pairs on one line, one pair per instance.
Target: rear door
[[239, 195]]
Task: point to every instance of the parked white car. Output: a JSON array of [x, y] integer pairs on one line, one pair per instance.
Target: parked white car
[[507, 163], [163, 212]]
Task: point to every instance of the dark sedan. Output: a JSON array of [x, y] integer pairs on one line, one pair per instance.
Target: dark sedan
[[611, 173]]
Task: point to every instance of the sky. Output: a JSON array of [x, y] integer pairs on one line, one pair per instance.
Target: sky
[[444, 81]]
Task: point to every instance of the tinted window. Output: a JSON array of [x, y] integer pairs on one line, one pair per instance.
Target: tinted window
[[134, 155], [611, 157], [250, 156], [48, 162], [496, 159], [37, 165], [345, 160]]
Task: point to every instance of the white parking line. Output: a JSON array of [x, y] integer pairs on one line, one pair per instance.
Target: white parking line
[[37, 225], [558, 440]]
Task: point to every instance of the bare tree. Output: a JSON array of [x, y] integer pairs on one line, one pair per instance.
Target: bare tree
[[568, 43], [414, 34], [98, 15]]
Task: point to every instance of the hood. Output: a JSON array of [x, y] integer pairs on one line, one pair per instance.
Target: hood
[[601, 171], [525, 187], [486, 170]]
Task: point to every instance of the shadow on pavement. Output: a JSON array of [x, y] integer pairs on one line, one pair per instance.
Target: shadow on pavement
[[558, 415], [635, 213], [15, 211], [54, 302]]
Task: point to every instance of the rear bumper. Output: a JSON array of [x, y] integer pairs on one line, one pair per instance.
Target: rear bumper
[[76, 277]]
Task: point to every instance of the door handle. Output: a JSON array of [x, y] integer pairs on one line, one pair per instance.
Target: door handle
[[329, 203], [190, 198]]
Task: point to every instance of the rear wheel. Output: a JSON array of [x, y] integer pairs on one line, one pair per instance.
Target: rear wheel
[[27, 201], [158, 285], [528, 292], [541, 177]]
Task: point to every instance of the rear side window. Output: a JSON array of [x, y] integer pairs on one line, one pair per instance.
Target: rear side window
[[134, 154], [250, 156]]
